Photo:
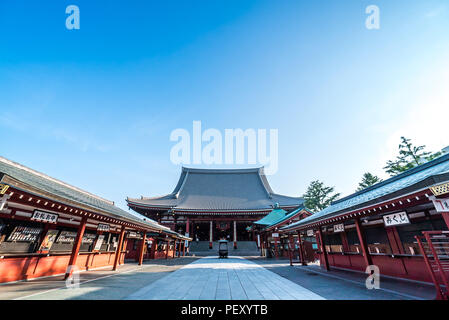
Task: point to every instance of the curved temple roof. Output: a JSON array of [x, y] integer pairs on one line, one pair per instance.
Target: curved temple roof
[[420, 177], [224, 190], [49, 185]]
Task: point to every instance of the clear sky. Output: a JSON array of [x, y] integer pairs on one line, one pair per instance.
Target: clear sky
[[95, 107]]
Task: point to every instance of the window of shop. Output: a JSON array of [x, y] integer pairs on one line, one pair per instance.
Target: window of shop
[[311, 240], [20, 236], [408, 232], [353, 241], [65, 240], [108, 242], [161, 245], [377, 240], [88, 241], [333, 243]]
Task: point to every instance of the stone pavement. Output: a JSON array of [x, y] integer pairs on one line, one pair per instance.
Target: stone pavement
[[234, 278], [101, 284], [347, 285]]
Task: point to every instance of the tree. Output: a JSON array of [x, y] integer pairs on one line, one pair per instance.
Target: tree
[[409, 157], [318, 196], [368, 180]]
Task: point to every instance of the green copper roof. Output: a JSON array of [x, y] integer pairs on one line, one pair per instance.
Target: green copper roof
[[272, 217], [420, 177]]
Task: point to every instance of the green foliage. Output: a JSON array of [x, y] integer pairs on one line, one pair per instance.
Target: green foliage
[[318, 196], [368, 180], [409, 157]]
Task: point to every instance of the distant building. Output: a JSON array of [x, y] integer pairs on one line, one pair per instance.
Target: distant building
[[215, 203]]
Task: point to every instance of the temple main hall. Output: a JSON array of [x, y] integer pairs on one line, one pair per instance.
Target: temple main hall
[[213, 204]]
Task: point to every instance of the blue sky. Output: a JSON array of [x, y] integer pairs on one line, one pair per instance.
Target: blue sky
[[95, 107]]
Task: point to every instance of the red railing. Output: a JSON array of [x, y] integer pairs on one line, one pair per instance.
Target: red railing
[[434, 246]]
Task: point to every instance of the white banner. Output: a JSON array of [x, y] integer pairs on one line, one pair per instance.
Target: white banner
[[396, 219], [339, 228], [441, 205], [43, 216]]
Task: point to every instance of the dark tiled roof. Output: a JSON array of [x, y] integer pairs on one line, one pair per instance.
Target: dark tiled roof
[[425, 175], [215, 190], [61, 189]]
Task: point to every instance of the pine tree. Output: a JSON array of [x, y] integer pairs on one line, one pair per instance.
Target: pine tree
[[409, 157], [318, 196], [368, 180]]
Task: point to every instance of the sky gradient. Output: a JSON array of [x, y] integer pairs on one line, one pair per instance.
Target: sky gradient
[[95, 107]]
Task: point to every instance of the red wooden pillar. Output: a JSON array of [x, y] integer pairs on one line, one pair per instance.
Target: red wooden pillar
[[261, 244], [344, 241], [290, 248], [446, 218], [396, 248], [174, 248], [76, 247], [184, 248], [187, 232], [118, 252], [301, 250], [320, 239], [153, 248], [276, 255], [142, 248], [166, 249], [210, 235], [264, 243], [235, 234], [366, 255]]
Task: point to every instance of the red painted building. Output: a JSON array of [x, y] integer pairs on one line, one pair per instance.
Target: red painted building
[[215, 204], [378, 225], [272, 242], [47, 225]]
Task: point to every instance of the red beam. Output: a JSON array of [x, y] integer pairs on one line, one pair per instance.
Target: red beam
[[142, 248], [118, 253], [76, 248], [366, 255], [320, 239]]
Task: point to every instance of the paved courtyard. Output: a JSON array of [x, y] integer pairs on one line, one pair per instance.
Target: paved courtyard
[[234, 278], [210, 278]]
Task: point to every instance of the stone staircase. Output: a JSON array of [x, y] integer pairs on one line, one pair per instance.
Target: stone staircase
[[244, 248]]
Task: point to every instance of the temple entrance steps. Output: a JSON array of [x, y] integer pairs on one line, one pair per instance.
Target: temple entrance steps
[[244, 248], [202, 246]]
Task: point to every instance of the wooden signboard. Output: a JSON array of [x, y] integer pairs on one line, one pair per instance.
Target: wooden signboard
[[43, 216], [339, 228], [441, 205], [395, 219], [103, 227]]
